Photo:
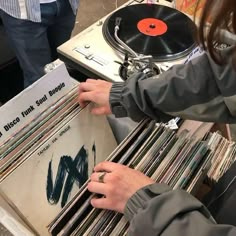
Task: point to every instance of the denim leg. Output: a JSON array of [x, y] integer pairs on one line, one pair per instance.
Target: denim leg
[[30, 44], [34, 43], [61, 30]]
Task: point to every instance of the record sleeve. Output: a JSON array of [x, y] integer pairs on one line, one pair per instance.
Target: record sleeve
[[54, 173]]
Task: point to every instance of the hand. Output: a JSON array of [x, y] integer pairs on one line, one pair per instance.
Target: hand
[[119, 184], [97, 92]]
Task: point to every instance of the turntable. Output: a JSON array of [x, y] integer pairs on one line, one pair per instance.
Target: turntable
[[141, 35]]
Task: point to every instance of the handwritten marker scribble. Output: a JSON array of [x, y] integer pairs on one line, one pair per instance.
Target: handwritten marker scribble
[[68, 172]]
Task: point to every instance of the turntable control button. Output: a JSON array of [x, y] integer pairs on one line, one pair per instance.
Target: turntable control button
[[87, 54], [89, 57], [86, 46]]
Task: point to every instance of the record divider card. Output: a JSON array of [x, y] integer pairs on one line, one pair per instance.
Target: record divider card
[[20, 110]]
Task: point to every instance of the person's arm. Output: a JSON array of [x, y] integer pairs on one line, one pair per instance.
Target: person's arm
[[158, 210], [198, 90]]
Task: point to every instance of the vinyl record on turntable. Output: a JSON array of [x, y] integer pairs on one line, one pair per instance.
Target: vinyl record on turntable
[[152, 29]]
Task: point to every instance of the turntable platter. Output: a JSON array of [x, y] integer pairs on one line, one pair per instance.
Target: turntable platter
[[152, 29]]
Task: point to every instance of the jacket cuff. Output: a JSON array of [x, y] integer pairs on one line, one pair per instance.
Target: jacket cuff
[[115, 100], [139, 199]]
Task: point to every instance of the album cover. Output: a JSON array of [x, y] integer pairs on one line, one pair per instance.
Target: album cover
[[77, 209], [41, 186], [172, 172], [68, 100], [152, 155], [200, 175], [34, 135], [170, 157], [38, 138], [192, 164]]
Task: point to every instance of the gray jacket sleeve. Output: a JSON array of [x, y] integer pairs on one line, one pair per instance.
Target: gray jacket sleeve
[[158, 210], [200, 90]]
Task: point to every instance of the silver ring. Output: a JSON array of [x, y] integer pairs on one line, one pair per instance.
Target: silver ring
[[101, 177]]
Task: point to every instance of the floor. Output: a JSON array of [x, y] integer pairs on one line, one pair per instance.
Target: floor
[[92, 10]]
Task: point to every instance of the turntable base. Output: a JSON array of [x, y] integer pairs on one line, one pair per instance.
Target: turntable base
[[90, 53]]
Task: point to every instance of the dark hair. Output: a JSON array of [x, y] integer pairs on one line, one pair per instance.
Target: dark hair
[[220, 14]]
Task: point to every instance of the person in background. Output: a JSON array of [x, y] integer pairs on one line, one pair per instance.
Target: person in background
[[204, 89], [35, 28]]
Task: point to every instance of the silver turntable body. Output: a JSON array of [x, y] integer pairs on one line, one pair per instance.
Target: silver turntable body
[[90, 52]]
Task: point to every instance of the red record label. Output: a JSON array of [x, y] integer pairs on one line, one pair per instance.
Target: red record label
[[152, 26]]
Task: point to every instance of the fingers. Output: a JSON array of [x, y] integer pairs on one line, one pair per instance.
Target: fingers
[[89, 85], [96, 187], [107, 166], [81, 90], [84, 89], [85, 93], [95, 176], [86, 86], [102, 203], [86, 97], [97, 92]]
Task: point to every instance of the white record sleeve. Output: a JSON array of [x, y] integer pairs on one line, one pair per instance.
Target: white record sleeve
[[53, 174]]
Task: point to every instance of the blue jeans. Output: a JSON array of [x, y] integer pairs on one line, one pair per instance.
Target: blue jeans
[[34, 43]]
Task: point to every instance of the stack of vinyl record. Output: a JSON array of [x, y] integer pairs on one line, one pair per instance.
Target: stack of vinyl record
[[180, 159], [223, 157], [49, 149], [49, 156], [17, 148]]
